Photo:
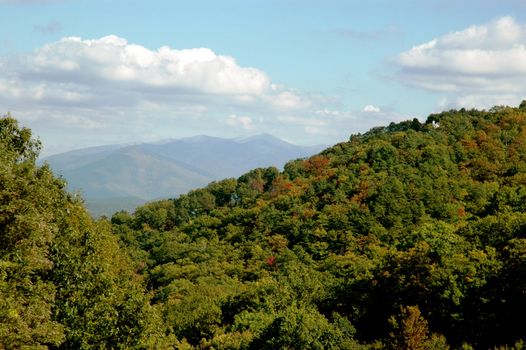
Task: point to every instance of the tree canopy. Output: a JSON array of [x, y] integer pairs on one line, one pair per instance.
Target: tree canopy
[[409, 236], [64, 281]]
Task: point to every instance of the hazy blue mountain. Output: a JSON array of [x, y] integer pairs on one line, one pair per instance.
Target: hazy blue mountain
[[77, 158], [118, 177], [231, 157]]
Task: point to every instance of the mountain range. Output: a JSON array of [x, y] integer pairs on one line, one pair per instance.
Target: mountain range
[[115, 177]]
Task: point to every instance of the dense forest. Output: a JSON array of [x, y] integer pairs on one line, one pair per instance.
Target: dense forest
[[409, 236]]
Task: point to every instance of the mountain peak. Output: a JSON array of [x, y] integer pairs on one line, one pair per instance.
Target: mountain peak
[[199, 138], [262, 137], [171, 167]]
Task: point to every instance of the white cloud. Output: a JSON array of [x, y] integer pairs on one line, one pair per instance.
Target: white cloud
[[113, 62], [289, 100], [240, 121], [110, 72], [471, 65], [80, 92], [371, 109], [75, 93], [298, 120]]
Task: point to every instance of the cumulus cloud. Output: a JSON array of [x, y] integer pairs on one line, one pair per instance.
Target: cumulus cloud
[[478, 66], [289, 100], [371, 109], [112, 62], [112, 72], [107, 90]]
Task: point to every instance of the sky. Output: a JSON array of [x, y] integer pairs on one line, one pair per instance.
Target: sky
[[83, 73]]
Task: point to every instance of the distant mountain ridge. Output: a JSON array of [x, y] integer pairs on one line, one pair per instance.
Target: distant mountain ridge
[[117, 177]]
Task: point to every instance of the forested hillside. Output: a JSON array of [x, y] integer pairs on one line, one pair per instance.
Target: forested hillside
[[115, 177], [410, 236], [64, 281]]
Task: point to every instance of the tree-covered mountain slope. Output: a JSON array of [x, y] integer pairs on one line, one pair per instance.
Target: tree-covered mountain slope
[[64, 281], [410, 236], [113, 177]]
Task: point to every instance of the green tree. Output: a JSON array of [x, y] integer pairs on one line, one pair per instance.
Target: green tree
[[64, 281], [28, 198]]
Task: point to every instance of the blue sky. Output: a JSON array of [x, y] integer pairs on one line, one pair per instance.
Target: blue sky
[[83, 73]]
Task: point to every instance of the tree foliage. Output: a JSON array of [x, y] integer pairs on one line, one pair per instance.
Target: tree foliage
[[330, 252], [409, 236], [64, 281]]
